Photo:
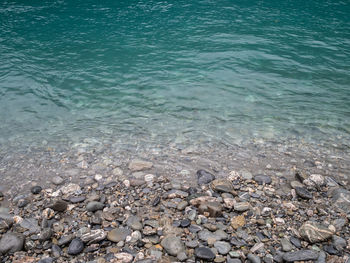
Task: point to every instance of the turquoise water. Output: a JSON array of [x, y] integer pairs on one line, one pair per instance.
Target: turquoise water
[[166, 70]]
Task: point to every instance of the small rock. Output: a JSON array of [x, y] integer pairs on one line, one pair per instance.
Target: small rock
[[134, 222], [75, 247], [46, 260], [253, 258], [222, 186], [300, 255], [213, 208], [238, 221], [173, 245], [71, 189], [303, 193], [57, 180], [338, 242], [204, 253], [56, 251], [77, 199], [182, 256], [262, 179], [11, 242], [94, 206], [222, 247], [204, 177], [286, 245], [139, 165], [314, 232], [36, 189], [182, 205], [241, 206], [118, 234], [341, 199], [296, 242], [59, 206], [93, 236], [123, 257]]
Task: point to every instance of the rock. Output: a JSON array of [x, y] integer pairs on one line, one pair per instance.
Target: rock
[[241, 206], [173, 245], [182, 205], [296, 242], [46, 260], [338, 242], [300, 255], [204, 253], [321, 257], [118, 234], [139, 165], [182, 256], [262, 179], [286, 245], [94, 206], [237, 222], [75, 247], [330, 249], [57, 180], [192, 243], [45, 234], [253, 258], [207, 235], [71, 189], [222, 247], [77, 199], [123, 257], [213, 208], [339, 223], [185, 222], [36, 189], [64, 240], [246, 175], [30, 224], [93, 236], [204, 177], [301, 176], [56, 251], [303, 193], [341, 199], [177, 194], [295, 184], [222, 186], [11, 242], [59, 206], [134, 222], [314, 232], [317, 179]]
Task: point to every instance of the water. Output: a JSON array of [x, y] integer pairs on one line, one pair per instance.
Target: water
[[174, 71]]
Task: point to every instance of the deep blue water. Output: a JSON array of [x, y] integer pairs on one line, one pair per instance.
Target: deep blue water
[[173, 69]]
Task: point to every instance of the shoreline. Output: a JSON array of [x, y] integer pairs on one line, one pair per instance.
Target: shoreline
[[151, 204]]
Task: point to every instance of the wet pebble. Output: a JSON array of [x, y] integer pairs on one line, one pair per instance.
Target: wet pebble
[[36, 189], [75, 247], [204, 253]]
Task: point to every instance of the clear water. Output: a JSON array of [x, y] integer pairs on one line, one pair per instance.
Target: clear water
[[167, 70]]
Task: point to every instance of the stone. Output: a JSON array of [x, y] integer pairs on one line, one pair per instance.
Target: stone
[[338, 242], [192, 243], [222, 186], [222, 247], [295, 184], [46, 260], [57, 180], [300, 255], [134, 222], [303, 192], [246, 175], [321, 257], [296, 242], [93, 236], [207, 235], [330, 249], [173, 245], [77, 199], [182, 205], [341, 200], [139, 165], [118, 234], [262, 179], [45, 234], [241, 206], [314, 232], [56, 251], [94, 206], [237, 222], [301, 176], [204, 253], [71, 189], [123, 258], [213, 208], [36, 189], [253, 258], [204, 177], [59, 206], [286, 245], [317, 179], [11, 242], [75, 247], [185, 222], [182, 256], [175, 193]]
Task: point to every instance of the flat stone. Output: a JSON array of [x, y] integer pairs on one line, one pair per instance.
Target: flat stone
[[59, 206], [296, 242], [204, 253], [192, 243], [71, 189], [213, 208], [57, 180], [173, 245], [222, 247], [241, 206], [94, 206], [286, 245], [11, 242], [338, 242], [303, 192], [341, 200], [175, 193], [222, 186], [182, 205], [93, 236], [314, 232], [134, 222], [118, 234], [75, 247], [300, 255], [204, 177], [139, 165], [262, 179], [123, 257], [253, 258], [237, 221], [77, 199]]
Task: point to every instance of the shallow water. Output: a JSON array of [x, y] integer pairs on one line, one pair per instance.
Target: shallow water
[[174, 71]]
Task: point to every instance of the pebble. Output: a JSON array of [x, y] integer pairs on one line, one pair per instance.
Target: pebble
[[59, 206], [237, 222], [262, 179], [222, 186], [300, 255], [134, 222], [77, 199], [94, 206], [253, 258], [123, 257], [75, 247], [182, 205], [11, 242], [314, 232], [118, 234], [46, 260], [93, 236], [296, 242], [241, 206], [57, 180], [303, 193], [36, 189], [222, 247], [204, 177], [204, 253], [173, 245], [286, 245], [139, 165], [341, 199]]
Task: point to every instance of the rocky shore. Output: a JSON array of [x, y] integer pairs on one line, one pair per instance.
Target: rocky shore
[[232, 216]]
